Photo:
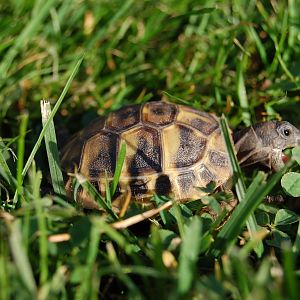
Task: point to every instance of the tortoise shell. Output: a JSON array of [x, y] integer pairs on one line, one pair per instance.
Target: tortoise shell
[[170, 150]]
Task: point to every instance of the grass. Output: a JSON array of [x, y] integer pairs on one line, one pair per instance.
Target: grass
[[237, 58]]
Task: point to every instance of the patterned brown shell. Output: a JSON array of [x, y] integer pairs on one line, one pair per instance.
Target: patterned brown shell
[[170, 150]]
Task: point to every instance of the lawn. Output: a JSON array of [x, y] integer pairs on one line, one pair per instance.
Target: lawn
[[240, 59]]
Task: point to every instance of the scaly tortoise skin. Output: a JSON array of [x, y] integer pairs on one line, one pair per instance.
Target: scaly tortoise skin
[[170, 150]]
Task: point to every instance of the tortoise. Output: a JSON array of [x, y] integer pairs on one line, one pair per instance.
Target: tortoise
[[171, 149]]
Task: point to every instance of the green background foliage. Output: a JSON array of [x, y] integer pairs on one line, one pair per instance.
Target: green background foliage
[[238, 58]]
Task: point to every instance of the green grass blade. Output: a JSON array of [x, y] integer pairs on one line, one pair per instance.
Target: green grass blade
[[241, 271], [120, 162], [51, 116], [35, 182], [237, 173], [85, 289], [189, 251], [52, 150], [239, 182], [55, 286], [4, 156], [5, 173], [125, 241], [242, 94], [253, 197], [134, 292], [290, 278], [47, 124], [4, 277], [108, 195], [259, 44], [27, 33], [20, 257], [21, 153], [157, 253], [176, 212], [197, 12], [94, 194]]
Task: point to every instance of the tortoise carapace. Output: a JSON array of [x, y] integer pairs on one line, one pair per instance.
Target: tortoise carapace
[[170, 150]]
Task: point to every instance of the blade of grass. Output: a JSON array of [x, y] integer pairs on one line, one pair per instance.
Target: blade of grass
[[20, 257], [35, 182], [293, 31], [85, 287], [4, 277], [4, 156], [259, 44], [120, 162], [198, 12], [239, 185], [189, 251], [220, 65], [21, 153], [241, 271], [94, 194], [107, 191], [241, 92], [56, 285], [32, 26], [157, 253], [142, 216], [176, 212], [5, 171], [256, 192], [52, 150], [51, 116], [134, 292], [289, 266], [125, 242]]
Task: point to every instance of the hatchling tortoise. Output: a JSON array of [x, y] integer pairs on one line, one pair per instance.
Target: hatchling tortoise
[[170, 150]]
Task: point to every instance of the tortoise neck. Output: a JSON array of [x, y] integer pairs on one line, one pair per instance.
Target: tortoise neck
[[249, 148]]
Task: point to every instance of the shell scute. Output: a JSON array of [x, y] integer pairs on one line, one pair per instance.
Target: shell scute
[[99, 155], [123, 118], [218, 159], [143, 151], [71, 154], [186, 182], [92, 128], [201, 121], [183, 146], [159, 113], [205, 174]]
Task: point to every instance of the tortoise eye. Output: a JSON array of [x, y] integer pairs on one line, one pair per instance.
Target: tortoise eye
[[286, 132]]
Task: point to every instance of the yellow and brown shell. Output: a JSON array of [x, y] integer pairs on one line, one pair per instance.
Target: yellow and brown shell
[[170, 150]]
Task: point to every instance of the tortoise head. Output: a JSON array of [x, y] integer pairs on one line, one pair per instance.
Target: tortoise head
[[287, 135], [264, 143]]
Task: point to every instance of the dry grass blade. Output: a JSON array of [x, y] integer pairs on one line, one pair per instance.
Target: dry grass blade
[[141, 217]]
